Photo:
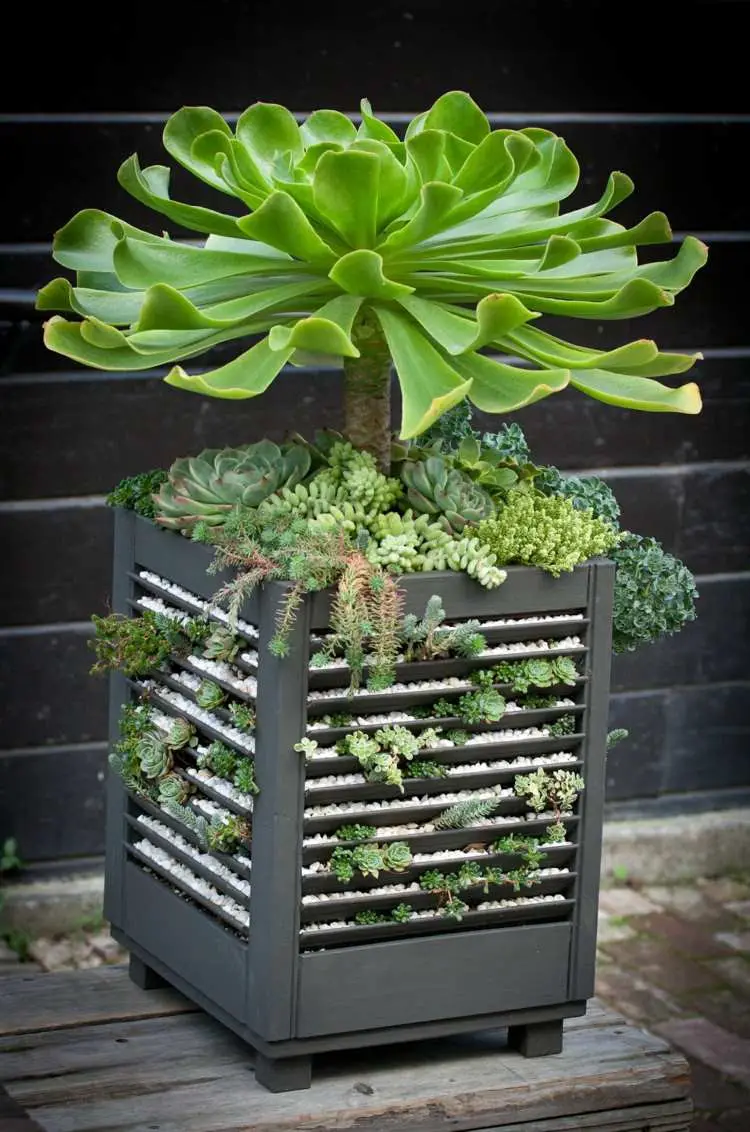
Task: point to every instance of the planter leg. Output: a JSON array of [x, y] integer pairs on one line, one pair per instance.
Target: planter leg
[[283, 1074], [537, 1039], [144, 976]]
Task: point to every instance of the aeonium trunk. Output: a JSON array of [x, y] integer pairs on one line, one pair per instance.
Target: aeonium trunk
[[367, 391]]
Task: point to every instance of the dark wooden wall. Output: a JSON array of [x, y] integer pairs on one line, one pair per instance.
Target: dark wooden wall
[[656, 90]]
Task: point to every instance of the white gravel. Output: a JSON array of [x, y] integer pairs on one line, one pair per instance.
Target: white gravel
[[440, 855], [432, 914], [390, 889], [221, 786], [334, 808], [198, 714], [246, 685], [206, 608], [190, 882], [204, 859], [529, 648], [520, 763], [193, 682]]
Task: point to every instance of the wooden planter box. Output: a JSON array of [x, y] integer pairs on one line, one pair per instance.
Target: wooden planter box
[[291, 989]]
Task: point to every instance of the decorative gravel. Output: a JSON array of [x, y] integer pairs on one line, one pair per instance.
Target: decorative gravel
[[200, 715], [246, 685], [413, 828], [204, 859], [451, 769], [334, 808], [200, 604], [390, 889], [440, 855], [192, 883], [193, 682], [555, 645], [221, 786], [432, 914], [563, 645]]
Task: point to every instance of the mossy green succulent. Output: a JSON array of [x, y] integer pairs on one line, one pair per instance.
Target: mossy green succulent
[[532, 529]]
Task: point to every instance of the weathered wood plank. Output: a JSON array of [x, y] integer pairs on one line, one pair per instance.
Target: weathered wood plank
[[189, 1074], [79, 998]]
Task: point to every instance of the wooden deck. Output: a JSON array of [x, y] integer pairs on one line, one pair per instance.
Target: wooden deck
[[86, 1051]]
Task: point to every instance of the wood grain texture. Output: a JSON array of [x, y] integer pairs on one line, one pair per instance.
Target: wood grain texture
[[79, 998], [74, 1069]]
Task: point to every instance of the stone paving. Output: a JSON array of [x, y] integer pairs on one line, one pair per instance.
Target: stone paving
[[676, 960], [673, 959]]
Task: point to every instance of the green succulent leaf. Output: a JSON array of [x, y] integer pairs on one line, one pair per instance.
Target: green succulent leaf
[[453, 239], [429, 384]]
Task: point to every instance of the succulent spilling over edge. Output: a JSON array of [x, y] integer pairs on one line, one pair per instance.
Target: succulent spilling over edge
[[442, 245]]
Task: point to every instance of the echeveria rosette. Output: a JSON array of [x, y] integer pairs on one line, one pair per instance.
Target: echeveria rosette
[[205, 488], [434, 488], [451, 241]]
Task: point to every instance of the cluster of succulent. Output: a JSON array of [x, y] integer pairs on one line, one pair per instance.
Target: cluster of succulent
[[434, 488], [136, 493], [369, 860], [556, 790], [531, 672], [144, 754], [587, 493], [532, 529], [428, 638], [471, 874], [226, 763], [401, 914], [205, 488], [136, 645], [654, 593], [382, 756]]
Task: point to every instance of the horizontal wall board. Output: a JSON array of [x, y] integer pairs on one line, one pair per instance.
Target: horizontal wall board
[[711, 312], [681, 740], [57, 564], [53, 801], [698, 513], [414, 52], [123, 419], [715, 648], [652, 153], [135, 424], [49, 696], [708, 738]]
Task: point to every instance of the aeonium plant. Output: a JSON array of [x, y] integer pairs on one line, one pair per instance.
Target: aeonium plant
[[432, 255], [428, 254]]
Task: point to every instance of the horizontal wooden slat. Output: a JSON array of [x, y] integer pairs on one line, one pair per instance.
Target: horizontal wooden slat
[[50, 698], [52, 801], [649, 151], [122, 420], [412, 54]]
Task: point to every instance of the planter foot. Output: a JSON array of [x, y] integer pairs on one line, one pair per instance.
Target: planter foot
[[537, 1039], [144, 976], [283, 1074]]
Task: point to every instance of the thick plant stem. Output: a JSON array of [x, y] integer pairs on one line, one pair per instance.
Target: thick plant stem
[[367, 391]]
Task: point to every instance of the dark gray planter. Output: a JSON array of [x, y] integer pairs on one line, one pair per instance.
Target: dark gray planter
[[291, 991]]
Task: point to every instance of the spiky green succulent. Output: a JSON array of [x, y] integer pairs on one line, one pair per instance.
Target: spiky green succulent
[[205, 488], [435, 488], [447, 242], [210, 695]]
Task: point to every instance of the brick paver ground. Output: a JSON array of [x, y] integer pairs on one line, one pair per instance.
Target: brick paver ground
[[673, 959], [676, 960]]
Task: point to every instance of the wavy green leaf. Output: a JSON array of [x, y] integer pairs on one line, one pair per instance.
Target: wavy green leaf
[[328, 126], [120, 308], [166, 308], [151, 187], [361, 273], [327, 332], [180, 133], [246, 376], [429, 384], [140, 264], [269, 132], [458, 113], [280, 222], [345, 191], [87, 242], [372, 127], [637, 392], [500, 388]]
